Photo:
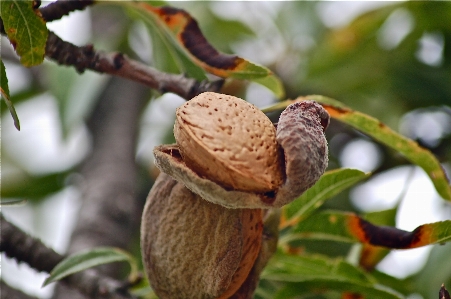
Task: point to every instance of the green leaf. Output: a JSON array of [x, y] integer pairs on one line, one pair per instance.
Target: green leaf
[[436, 271], [384, 217], [273, 83], [3, 79], [312, 286], [186, 36], [26, 30], [88, 259], [380, 132], [304, 274], [348, 227], [167, 56], [4, 91], [25, 186], [329, 185], [372, 255]]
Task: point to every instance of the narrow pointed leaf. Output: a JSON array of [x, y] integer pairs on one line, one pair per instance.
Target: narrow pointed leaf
[[371, 255], [303, 274], [329, 185], [185, 31], [348, 227], [165, 56], [4, 91], [26, 186], [380, 132], [26, 30], [88, 259], [307, 287], [273, 83]]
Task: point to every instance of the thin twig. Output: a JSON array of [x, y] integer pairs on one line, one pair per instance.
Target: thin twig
[[58, 9], [8, 292], [110, 209], [118, 64], [23, 248]]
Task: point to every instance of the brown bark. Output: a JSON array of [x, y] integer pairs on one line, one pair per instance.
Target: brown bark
[[110, 211], [8, 292], [24, 248]]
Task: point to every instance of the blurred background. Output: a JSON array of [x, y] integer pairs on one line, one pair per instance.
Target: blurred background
[[391, 60]]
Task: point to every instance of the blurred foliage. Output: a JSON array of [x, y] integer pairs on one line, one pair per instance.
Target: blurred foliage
[[392, 62]]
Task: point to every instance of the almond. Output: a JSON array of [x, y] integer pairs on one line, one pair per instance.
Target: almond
[[195, 249], [230, 142], [201, 231]]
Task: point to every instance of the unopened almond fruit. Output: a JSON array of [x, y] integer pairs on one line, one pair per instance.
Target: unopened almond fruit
[[195, 249], [230, 142]]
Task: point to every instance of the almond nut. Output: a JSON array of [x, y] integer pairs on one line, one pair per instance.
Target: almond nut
[[229, 141]]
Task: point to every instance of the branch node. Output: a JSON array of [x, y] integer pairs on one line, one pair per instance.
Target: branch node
[[118, 60]]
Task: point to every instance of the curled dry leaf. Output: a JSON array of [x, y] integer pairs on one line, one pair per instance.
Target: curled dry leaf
[[300, 132]]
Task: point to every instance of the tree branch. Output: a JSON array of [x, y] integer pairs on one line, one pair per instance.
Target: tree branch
[[57, 10], [23, 248], [118, 64], [111, 210], [8, 292]]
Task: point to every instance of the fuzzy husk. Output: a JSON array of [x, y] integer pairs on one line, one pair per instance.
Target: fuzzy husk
[[191, 247], [195, 249]]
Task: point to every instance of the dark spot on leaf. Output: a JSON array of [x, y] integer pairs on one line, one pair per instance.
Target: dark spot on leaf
[[443, 293], [390, 237], [13, 43], [36, 4], [168, 10], [194, 41]]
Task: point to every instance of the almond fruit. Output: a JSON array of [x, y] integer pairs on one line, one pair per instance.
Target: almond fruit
[[195, 249], [230, 142], [201, 231]]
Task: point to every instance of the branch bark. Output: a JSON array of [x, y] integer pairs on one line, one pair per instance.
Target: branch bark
[[110, 213], [8, 292], [58, 9], [23, 248], [118, 64]]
